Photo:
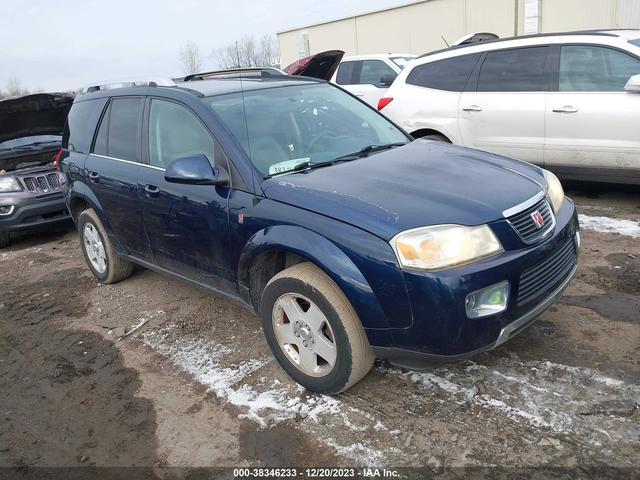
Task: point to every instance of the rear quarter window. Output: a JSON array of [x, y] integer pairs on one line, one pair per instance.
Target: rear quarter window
[[81, 125], [450, 74]]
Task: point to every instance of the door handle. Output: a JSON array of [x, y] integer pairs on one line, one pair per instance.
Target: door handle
[[151, 191], [94, 176], [565, 109], [472, 108]]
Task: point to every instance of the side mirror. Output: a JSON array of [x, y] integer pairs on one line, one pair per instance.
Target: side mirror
[[195, 170], [386, 80], [633, 85]]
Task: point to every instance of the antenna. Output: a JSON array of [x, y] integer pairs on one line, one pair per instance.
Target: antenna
[[444, 40]]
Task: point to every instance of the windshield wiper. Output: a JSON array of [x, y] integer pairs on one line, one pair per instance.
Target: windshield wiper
[[303, 166], [369, 149]]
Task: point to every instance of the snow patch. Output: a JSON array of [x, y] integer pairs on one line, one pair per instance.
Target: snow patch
[[628, 228], [263, 400]]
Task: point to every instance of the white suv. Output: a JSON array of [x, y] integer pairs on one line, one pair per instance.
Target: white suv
[[369, 76], [566, 101]]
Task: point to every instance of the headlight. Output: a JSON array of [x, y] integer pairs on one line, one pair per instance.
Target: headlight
[[9, 184], [444, 246], [554, 190]]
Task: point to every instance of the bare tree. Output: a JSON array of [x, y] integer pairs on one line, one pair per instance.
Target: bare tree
[[191, 58], [268, 52], [14, 87], [246, 52], [226, 57]]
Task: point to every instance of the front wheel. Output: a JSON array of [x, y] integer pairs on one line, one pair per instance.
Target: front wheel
[[313, 331], [105, 264], [5, 239]]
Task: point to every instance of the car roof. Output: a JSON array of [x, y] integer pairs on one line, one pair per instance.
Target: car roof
[[603, 35], [220, 86], [208, 87]]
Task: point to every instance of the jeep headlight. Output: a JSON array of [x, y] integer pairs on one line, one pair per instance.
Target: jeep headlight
[[9, 184], [554, 190], [444, 246]]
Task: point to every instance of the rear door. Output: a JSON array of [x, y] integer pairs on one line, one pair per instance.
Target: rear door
[[592, 123], [504, 113], [187, 225], [367, 79], [112, 172]]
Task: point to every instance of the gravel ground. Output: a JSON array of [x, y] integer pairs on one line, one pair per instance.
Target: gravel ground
[[195, 384]]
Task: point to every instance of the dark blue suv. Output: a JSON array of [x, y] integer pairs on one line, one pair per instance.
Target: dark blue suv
[[299, 201]]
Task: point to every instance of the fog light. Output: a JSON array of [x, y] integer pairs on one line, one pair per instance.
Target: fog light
[[487, 301], [578, 240], [6, 209]]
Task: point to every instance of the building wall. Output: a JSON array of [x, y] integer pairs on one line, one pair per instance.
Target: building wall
[[419, 27]]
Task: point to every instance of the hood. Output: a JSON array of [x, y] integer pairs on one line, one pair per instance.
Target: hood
[[37, 114], [321, 65], [420, 184]]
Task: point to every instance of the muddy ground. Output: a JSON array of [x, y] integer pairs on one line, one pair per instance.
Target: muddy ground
[[196, 385]]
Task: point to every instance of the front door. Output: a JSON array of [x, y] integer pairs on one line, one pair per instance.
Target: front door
[[187, 225], [505, 113], [592, 123]]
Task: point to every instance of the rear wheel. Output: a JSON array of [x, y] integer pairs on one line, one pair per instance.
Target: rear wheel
[[313, 331], [5, 239], [105, 264]]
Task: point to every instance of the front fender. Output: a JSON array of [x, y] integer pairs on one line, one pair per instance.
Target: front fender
[[324, 254]]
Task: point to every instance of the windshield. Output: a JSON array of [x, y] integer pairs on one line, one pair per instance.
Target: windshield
[[26, 141], [402, 61], [635, 42], [293, 125]]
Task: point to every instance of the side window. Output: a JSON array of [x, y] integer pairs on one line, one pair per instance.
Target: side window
[[373, 72], [118, 133], [517, 70], [81, 124], [175, 132], [346, 73], [586, 68], [450, 74]]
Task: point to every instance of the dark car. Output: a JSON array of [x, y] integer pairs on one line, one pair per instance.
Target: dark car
[[30, 138], [299, 201]]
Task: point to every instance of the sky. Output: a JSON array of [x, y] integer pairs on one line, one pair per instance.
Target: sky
[[57, 45]]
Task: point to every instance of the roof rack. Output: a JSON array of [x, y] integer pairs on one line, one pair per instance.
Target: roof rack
[[602, 33], [237, 72], [132, 82]]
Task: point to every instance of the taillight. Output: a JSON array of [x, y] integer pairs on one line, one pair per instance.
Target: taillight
[[383, 102], [56, 160]]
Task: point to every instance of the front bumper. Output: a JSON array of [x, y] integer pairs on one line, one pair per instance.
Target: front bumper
[[441, 330], [31, 211]]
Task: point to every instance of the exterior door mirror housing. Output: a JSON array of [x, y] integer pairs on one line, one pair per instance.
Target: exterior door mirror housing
[[195, 170], [633, 85]]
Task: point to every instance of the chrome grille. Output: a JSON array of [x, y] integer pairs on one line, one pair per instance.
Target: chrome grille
[[537, 280], [526, 227], [45, 183]]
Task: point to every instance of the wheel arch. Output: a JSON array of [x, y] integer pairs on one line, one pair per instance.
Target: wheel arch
[[422, 132], [273, 249]]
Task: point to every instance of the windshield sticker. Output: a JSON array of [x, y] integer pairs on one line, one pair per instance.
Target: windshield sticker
[[287, 165]]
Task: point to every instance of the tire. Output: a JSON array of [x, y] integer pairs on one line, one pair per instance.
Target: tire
[[305, 286], [436, 137], [5, 239], [115, 267]]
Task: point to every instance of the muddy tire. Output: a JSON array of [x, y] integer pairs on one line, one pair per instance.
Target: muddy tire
[[313, 331], [105, 264], [5, 239]]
